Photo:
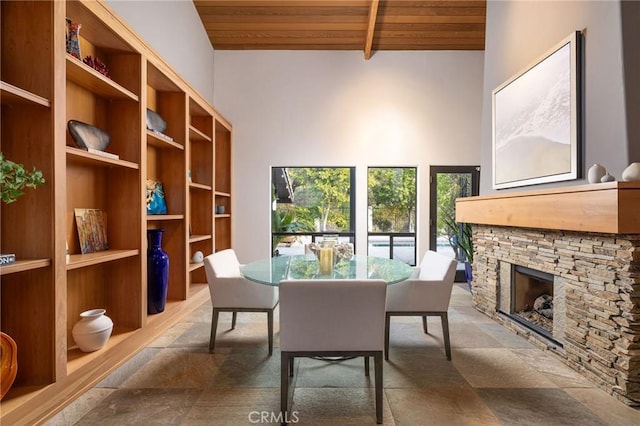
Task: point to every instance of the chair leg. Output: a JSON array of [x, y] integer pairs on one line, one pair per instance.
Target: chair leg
[[424, 324], [233, 320], [377, 363], [366, 366], [445, 333], [270, 330], [387, 323], [284, 384], [214, 328], [291, 358]]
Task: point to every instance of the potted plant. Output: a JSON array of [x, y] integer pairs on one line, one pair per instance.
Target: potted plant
[[461, 237], [14, 178]]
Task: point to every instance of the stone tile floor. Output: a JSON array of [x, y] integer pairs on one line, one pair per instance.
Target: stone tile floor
[[494, 378]]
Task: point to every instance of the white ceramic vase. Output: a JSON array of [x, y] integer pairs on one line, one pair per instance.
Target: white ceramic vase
[[93, 330], [631, 173], [595, 173]]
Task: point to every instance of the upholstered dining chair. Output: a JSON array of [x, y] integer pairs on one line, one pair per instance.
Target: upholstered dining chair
[[231, 292], [331, 318], [426, 293]]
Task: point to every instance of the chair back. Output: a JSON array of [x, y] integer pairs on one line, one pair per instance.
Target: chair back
[[332, 315], [429, 291], [229, 289], [224, 264]]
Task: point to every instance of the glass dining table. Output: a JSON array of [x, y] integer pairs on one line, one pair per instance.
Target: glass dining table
[[273, 270]]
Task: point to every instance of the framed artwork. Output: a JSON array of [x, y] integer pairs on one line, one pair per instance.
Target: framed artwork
[[156, 203], [536, 120], [92, 230]]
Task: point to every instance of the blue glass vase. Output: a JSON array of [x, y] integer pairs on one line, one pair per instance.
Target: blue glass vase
[[157, 272]]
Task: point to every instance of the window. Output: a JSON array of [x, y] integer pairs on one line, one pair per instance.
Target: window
[[309, 202], [391, 201]]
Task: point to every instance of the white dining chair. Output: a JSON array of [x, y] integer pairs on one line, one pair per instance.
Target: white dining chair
[[426, 293], [231, 292], [331, 318]]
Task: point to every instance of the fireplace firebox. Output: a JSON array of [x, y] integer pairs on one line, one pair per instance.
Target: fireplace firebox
[[532, 300]]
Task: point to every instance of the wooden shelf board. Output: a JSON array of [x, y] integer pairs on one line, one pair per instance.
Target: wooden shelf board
[[196, 288], [222, 194], [92, 80], [83, 260], [160, 217], [24, 265], [10, 94], [82, 156], [196, 238], [194, 266], [223, 216], [76, 359], [159, 142], [199, 186], [197, 135], [605, 207]]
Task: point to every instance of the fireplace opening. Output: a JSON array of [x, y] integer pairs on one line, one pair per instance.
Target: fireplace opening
[[532, 299]]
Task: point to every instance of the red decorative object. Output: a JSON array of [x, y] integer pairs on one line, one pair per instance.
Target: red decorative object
[[97, 65]]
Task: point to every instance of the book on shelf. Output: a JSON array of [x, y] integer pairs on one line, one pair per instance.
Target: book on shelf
[[7, 259], [103, 153]]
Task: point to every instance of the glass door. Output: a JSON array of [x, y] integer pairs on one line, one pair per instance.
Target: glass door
[[446, 184]]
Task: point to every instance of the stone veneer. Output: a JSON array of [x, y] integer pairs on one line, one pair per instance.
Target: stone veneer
[[600, 279]]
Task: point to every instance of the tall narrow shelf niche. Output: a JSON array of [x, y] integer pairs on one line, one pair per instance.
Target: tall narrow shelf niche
[[166, 163], [200, 190], [108, 279], [223, 184]]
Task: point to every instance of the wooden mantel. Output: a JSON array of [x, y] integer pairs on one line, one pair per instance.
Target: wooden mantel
[[612, 208]]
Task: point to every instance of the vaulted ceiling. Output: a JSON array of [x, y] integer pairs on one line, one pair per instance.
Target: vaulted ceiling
[[367, 25]]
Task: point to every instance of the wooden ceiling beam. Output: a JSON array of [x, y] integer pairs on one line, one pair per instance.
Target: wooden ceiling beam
[[373, 15]]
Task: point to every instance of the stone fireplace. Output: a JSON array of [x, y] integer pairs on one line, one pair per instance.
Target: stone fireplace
[[591, 279]]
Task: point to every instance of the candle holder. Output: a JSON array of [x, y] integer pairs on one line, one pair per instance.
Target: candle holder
[[326, 257]]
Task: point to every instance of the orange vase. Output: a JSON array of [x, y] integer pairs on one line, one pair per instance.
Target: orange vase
[[8, 363]]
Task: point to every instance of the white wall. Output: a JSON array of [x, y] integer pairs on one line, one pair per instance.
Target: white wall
[[518, 32], [324, 108], [174, 30]]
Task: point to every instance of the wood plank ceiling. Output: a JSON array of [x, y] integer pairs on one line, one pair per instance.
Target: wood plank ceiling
[[367, 25]]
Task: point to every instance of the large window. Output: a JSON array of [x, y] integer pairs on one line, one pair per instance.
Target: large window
[[308, 203], [391, 201]]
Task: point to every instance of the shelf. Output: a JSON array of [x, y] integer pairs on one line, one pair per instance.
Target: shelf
[[82, 156], [196, 238], [222, 194], [76, 261], [160, 217], [194, 266], [197, 135], [222, 216], [200, 186], [76, 359], [10, 94], [159, 142], [92, 80], [24, 265], [603, 207]]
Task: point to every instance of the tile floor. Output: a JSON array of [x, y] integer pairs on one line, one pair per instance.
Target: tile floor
[[494, 378]]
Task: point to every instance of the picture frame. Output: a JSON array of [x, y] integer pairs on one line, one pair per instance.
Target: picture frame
[[92, 230], [536, 120], [156, 203]]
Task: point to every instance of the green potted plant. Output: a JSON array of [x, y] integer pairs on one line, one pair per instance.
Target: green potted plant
[[461, 237], [13, 179]]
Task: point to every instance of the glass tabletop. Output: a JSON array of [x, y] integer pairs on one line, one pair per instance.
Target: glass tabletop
[[272, 271]]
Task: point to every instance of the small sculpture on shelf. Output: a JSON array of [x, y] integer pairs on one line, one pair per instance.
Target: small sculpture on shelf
[[72, 36], [97, 65]]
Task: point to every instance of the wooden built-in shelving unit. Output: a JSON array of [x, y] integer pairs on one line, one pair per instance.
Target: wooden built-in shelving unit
[[45, 290]]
